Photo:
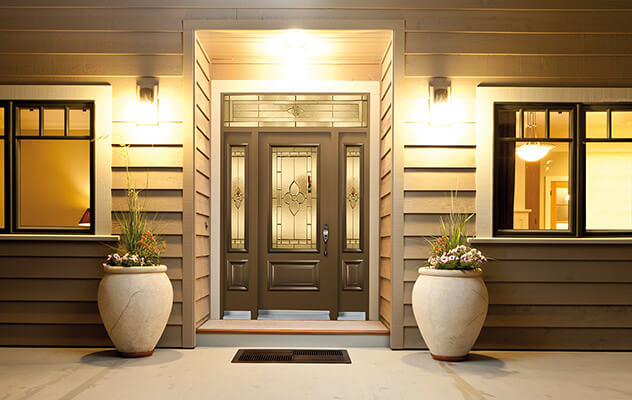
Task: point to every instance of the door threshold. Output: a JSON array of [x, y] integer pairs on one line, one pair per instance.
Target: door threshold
[[285, 327]]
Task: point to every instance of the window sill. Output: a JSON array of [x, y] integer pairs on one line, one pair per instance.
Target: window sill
[[569, 241], [53, 237]]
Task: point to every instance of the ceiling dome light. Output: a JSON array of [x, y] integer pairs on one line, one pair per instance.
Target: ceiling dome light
[[533, 151]]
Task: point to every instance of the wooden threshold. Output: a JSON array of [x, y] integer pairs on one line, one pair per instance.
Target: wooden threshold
[[272, 327]]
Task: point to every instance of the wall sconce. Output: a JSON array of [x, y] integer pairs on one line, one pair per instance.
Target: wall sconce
[[147, 101], [440, 98]]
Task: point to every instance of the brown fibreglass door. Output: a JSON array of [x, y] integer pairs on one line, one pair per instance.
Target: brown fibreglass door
[[294, 220]]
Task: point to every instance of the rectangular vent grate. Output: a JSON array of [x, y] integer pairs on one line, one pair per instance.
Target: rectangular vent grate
[[306, 356]]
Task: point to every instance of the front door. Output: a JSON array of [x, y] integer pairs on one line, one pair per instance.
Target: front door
[[294, 221]]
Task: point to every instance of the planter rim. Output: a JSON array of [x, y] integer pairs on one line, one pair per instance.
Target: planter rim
[[454, 273], [134, 270]]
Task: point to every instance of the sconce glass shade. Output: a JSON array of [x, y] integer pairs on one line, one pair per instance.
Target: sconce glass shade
[[533, 151], [85, 219], [147, 101]]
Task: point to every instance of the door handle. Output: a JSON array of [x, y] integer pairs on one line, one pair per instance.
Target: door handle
[[325, 237]]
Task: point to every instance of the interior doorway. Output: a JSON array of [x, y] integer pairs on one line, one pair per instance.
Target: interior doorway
[[295, 203]]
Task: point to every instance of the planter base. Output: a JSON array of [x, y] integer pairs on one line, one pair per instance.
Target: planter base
[[137, 355], [449, 358]]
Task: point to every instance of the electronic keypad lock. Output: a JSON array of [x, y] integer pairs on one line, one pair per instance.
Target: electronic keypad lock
[[325, 237]]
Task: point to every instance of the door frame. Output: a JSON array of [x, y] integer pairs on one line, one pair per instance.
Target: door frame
[[218, 87]]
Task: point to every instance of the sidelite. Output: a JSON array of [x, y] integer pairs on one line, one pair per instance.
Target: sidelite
[[563, 169]]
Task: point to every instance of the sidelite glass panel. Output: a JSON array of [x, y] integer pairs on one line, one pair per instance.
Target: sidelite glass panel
[[609, 186], [532, 180], [289, 110], [54, 121], [559, 124], [54, 182], [622, 124], [29, 121], [597, 124], [79, 122], [353, 199], [294, 197], [1, 179], [237, 197]]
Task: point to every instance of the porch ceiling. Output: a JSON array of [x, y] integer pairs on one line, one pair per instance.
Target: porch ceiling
[[275, 46]]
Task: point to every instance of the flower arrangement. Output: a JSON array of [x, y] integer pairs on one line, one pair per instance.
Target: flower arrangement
[[139, 245], [451, 250]]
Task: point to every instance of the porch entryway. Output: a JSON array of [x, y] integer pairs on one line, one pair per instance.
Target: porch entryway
[[294, 201]]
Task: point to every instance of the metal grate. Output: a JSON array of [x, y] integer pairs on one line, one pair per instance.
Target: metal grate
[[307, 356]]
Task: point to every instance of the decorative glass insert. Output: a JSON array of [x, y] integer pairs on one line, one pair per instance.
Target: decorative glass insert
[[294, 197], [237, 197], [353, 199], [290, 110]]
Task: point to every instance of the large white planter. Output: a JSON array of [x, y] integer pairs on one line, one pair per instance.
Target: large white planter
[[450, 307], [135, 303]]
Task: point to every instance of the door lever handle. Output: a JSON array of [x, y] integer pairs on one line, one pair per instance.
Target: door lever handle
[[325, 237]]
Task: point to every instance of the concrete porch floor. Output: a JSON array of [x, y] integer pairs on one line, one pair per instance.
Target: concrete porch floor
[[203, 373]]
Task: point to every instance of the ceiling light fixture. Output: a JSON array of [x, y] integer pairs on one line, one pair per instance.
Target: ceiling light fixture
[[533, 151]]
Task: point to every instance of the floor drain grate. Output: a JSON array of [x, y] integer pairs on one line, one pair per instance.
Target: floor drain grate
[[292, 356]]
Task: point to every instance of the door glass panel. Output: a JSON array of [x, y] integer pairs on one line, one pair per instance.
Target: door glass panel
[[280, 110], [79, 124], [237, 197], [609, 186], [1, 180], [353, 199], [534, 124], [294, 197]]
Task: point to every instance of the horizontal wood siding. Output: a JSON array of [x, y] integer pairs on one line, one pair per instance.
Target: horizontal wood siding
[[386, 188], [551, 297], [202, 184], [48, 289]]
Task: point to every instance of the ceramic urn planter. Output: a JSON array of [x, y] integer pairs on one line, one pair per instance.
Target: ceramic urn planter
[[135, 303], [450, 307]]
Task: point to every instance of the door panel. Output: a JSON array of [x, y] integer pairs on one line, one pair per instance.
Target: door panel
[[298, 203]]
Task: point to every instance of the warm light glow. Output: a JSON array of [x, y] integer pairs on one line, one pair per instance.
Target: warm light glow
[[533, 151], [145, 113], [441, 114]]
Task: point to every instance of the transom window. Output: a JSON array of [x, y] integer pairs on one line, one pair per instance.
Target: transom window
[[562, 169], [46, 167]]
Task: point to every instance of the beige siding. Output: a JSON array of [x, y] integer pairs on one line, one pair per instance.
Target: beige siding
[[202, 184], [386, 188]]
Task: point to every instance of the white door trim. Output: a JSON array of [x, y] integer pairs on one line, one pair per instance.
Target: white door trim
[[263, 86]]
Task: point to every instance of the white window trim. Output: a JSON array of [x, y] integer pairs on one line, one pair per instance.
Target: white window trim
[[101, 95], [485, 99]]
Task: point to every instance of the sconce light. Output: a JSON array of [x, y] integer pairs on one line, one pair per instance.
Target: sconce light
[[440, 97], [147, 101]]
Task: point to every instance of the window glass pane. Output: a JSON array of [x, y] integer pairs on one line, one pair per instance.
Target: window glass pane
[[559, 124], [609, 186], [597, 124], [1, 121], [54, 186], [238, 197], [533, 186], [353, 197], [79, 124], [621, 124], [54, 122], [294, 197], [29, 121], [534, 124], [2, 182]]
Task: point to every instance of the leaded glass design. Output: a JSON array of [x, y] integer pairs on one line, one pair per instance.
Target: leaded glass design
[[237, 197], [294, 197], [352, 197], [311, 110]]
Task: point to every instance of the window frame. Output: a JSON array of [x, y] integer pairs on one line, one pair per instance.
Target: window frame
[[577, 165], [11, 167]]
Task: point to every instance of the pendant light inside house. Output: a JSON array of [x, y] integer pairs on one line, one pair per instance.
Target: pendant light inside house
[[533, 151]]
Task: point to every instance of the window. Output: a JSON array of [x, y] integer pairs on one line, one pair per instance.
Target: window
[[562, 169], [47, 160]]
